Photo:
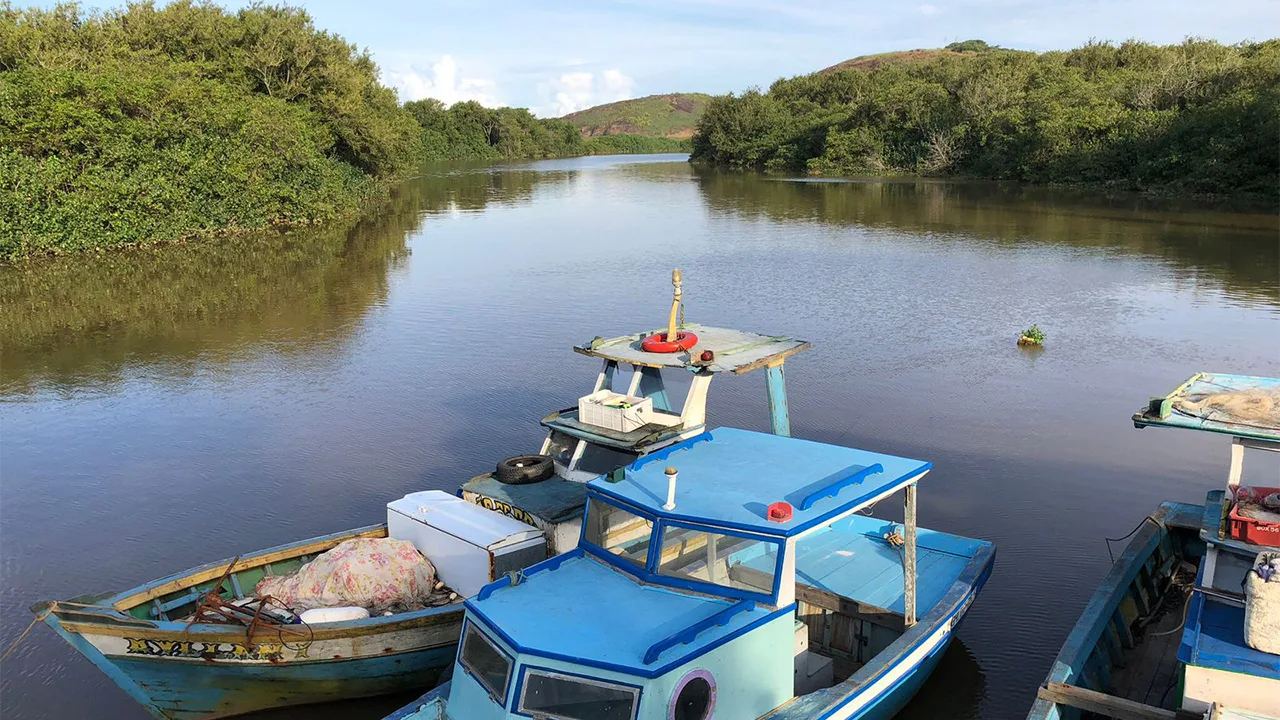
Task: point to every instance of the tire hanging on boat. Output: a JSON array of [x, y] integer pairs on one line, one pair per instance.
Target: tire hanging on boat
[[525, 469]]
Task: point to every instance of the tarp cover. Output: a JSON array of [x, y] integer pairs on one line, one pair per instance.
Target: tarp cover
[[1262, 605], [375, 573]]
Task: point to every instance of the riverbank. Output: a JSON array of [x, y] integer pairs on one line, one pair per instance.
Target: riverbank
[[146, 126], [1189, 119]]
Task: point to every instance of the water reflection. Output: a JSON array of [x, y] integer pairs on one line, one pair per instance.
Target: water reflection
[[1234, 245], [79, 321]]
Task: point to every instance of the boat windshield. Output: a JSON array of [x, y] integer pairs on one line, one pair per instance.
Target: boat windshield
[[618, 531], [720, 559]]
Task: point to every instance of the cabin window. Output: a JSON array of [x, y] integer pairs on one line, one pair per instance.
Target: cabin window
[[557, 695], [486, 662], [727, 560], [617, 531], [600, 460]]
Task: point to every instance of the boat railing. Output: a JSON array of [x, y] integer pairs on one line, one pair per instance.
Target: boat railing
[[689, 634]]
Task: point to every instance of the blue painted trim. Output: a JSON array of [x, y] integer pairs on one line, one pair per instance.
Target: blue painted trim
[[953, 606], [652, 578], [525, 669], [439, 692], [779, 414], [610, 369], [118, 676], [665, 452], [550, 563], [831, 485], [792, 531], [511, 660], [769, 598], [640, 671], [691, 633]]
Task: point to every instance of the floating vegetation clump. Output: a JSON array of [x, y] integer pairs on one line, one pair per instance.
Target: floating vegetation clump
[[1031, 336]]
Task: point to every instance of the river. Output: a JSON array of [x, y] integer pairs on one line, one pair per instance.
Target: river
[[161, 408]]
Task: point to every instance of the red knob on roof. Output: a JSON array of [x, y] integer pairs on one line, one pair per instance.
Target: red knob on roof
[[780, 512]]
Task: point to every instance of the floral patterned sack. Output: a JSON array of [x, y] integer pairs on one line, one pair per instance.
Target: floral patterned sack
[[373, 573]]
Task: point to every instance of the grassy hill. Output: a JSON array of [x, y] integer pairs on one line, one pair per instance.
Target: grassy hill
[[965, 49], [668, 116]]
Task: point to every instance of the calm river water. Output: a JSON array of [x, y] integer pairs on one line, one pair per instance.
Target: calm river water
[[163, 408]]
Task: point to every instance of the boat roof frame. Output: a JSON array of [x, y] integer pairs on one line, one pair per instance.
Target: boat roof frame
[[1160, 412], [753, 350]]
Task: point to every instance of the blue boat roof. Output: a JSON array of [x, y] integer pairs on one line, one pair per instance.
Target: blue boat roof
[[729, 477], [544, 616]]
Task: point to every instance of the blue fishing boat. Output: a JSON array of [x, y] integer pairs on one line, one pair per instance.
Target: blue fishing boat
[[1163, 637], [728, 576], [156, 644]]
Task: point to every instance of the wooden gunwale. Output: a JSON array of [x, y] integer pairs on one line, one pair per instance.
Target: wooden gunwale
[[145, 593], [206, 632]]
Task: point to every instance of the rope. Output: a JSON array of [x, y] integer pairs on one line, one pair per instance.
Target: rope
[[1128, 535], [39, 618]]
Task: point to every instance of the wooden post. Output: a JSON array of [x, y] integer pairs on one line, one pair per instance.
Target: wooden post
[[779, 416], [1237, 463], [909, 557]]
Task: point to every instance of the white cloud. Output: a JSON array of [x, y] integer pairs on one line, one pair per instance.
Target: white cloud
[[444, 84], [927, 9], [579, 90]]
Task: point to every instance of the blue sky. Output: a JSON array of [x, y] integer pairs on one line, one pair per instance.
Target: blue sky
[[555, 57]]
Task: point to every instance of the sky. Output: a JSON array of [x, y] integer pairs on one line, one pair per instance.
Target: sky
[[556, 57]]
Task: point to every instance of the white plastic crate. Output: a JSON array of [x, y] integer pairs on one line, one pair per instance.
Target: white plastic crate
[[615, 411]]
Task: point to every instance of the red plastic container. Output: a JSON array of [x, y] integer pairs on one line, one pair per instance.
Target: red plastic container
[[1258, 532]]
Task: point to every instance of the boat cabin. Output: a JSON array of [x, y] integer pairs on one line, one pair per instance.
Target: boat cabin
[[634, 409], [724, 576]]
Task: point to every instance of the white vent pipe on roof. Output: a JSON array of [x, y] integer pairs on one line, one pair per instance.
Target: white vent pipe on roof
[[671, 489]]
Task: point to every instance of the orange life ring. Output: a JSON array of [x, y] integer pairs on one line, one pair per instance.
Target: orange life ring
[[659, 343]]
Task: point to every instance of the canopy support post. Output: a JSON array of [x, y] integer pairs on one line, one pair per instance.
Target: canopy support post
[[779, 417], [909, 557], [652, 386]]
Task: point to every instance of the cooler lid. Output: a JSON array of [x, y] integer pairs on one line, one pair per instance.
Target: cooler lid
[[464, 520]]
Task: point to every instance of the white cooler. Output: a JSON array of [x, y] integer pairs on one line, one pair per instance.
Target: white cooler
[[468, 545]]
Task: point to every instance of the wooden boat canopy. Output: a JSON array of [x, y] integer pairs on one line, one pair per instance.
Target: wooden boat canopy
[[1186, 407], [736, 351]]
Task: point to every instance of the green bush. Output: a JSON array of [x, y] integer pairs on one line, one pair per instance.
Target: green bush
[[470, 131], [146, 125], [635, 144], [1198, 117]]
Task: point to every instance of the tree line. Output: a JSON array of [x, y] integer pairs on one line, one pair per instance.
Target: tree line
[[1197, 117], [147, 124]]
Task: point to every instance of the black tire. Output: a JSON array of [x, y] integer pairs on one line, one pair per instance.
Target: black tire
[[525, 469]]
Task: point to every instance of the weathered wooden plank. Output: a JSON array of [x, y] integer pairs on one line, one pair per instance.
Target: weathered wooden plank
[[216, 570], [1108, 705]]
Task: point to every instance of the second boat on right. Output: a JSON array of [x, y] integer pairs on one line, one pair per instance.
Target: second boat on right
[[1187, 622]]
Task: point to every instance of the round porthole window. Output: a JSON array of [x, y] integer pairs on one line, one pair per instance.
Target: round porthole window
[[694, 698]]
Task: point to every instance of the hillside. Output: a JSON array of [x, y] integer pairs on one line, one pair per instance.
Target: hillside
[[671, 116], [1198, 117], [965, 49]]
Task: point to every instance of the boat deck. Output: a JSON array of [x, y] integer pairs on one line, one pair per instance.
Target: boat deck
[[851, 559], [1148, 672], [1214, 638]]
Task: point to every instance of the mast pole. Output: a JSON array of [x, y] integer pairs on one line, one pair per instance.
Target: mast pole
[[909, 556]]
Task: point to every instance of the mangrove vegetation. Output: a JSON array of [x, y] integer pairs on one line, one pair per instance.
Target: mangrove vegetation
[[1198, 117], [151, 124]]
